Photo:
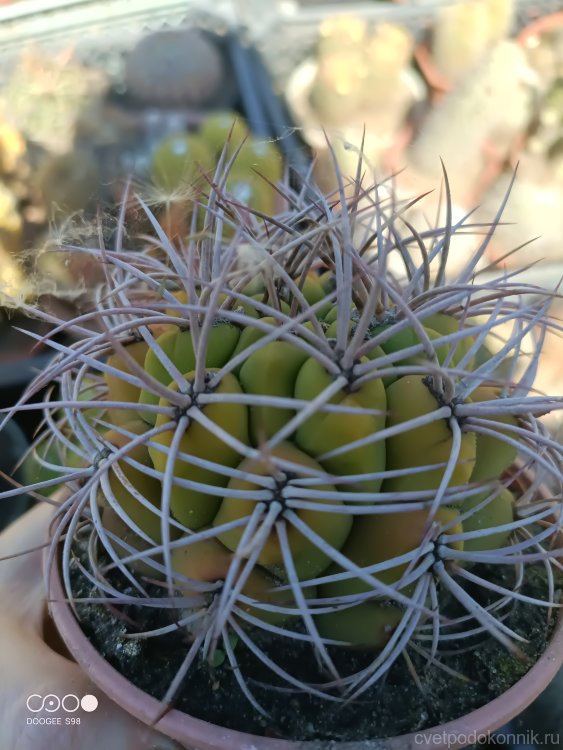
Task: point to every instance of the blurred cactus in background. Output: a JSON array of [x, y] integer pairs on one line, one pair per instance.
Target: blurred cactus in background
[[359, 71], [486, 112], [360, 89], [464, 32]]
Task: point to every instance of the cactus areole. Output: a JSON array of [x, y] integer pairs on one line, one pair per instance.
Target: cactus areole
[[291, 471]]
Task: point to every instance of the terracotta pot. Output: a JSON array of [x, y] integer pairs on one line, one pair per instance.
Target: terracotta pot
[[195, 734]]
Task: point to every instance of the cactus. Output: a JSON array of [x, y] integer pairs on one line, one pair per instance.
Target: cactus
[[360, 74], [223, 126], [297, 455], [183, 163], [178, 160], [488, 110], [465, 31], [388, 53], [360, 89]]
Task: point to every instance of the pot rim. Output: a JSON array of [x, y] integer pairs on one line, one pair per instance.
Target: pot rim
[[540, 26], [198, 734]]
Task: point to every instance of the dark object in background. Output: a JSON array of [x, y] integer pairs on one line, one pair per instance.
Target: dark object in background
[[538, 727], [140, 120], [22, 358], [543, 720], [175, 67], [258, 96], [13, 445]]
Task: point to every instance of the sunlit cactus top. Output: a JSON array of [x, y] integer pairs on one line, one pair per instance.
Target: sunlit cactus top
[[278, 435]]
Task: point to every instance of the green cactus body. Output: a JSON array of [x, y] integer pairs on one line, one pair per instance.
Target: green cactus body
[[327, 281], [271, 371], [313, 291], [409, 398], [178, 346], [218, 126], [259, 158], [365, 625], [179, 161], [148, 486], [324, 431], [331, 315], [498, 510], [445, 325], [375, 539], [248, 193], [192, 507], [119, 389], [249, 336], [373, 353], [125, 542], [209, 561], [253, 311], [309, 561], [407, 338], [493, 454]]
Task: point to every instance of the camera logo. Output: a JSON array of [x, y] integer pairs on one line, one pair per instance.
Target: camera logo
[[69, 703]]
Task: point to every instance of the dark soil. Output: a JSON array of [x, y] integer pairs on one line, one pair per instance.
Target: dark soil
[[394, 706]]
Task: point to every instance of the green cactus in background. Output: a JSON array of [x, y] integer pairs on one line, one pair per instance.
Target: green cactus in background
[[183, 164], [298, 443]]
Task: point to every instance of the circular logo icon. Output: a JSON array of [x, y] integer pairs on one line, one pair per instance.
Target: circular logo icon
[[69, 703], [89, 703]]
